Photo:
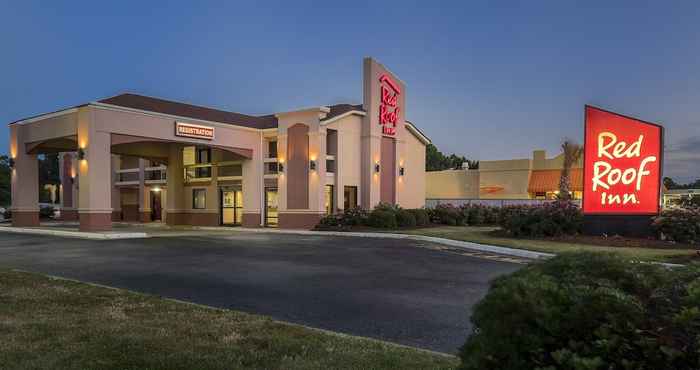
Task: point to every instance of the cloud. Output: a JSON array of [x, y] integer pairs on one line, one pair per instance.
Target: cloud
[[682, 160]]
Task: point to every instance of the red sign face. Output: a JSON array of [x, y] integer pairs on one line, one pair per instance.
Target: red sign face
[[388, 107], [622, 164]]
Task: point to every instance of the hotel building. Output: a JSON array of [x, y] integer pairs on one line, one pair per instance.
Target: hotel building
[[139, 158]]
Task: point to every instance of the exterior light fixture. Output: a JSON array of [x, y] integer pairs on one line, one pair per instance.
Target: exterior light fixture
[[312, 165], [376, 167], [280, 167], [11, 162], [402, 171], [81, 153]]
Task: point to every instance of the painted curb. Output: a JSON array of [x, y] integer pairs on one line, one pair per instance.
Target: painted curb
[[74, 234]]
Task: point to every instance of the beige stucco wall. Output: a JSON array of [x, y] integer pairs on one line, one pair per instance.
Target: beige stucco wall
[[51, 128], [452, 184], [412, 186], [348, 160], [317, 152], [511, 175]]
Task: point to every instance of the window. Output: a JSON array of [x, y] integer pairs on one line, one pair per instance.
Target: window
[[330, 165], [203, 156], [350, 197], [271, 207], [328, 199], [271, 149], [272, 168], [199, 198]]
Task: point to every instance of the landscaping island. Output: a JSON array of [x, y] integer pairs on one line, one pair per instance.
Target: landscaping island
[[554, 227]]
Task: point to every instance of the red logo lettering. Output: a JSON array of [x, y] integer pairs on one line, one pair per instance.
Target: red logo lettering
[[388, 107]]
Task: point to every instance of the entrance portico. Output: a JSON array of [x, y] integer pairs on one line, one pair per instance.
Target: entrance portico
[[89, 137]]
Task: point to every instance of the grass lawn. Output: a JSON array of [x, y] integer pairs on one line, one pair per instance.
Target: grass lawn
[[486, 235], [50, 323]]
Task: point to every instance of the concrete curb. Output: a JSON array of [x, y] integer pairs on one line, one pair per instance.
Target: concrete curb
[[74, 234], [448, 242]]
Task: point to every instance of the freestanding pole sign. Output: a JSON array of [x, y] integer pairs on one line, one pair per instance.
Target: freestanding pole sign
[[622, 169]]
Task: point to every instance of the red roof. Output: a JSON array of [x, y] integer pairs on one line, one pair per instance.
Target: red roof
[[150, 104], [548, 180]]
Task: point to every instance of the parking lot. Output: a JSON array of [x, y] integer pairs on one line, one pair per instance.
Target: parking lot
[[396, 290]]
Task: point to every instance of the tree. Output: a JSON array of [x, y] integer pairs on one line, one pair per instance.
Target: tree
[[436, 161], [671, 184], [572, 153], [5, 180]]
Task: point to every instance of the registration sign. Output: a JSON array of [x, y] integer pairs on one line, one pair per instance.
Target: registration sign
[[194, 131]]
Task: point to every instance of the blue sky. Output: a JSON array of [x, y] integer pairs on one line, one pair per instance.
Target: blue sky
[[489, 80]]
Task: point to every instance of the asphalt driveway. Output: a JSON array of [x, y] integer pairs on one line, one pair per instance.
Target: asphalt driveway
[[394, 290]]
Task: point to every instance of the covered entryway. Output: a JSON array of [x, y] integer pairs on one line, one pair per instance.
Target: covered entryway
[[96, 136]]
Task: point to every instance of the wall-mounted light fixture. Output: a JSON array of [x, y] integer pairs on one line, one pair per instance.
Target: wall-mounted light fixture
[[280, 167], [12, 162], [312, 165], [81, 153], [402, 171], [376, 167]]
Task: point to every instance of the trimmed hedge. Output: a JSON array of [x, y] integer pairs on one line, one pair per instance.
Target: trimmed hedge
[[679, 225], [421, 216], [549, 219], [588, 311], [384, 216]]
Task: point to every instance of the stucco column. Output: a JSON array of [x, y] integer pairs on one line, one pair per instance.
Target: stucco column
[[95, 171], [116, 192], [144, 194], [174, 201], [252, 186], [24, 181], [339, 184], [67, 172], [317, 178]]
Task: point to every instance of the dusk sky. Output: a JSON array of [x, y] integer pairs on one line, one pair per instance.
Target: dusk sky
[[488, 80]]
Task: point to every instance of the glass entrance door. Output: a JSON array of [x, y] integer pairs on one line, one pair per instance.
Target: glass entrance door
[[231, 206], [271, 207]]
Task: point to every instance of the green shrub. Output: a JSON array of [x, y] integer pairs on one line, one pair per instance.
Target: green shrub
[[549, 219], [347, 219], [679, 225], [329, 221], [447, 214], [354, 217], [421, 216], [405, 218], [46, 212], [382, 218], [588, 311]]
